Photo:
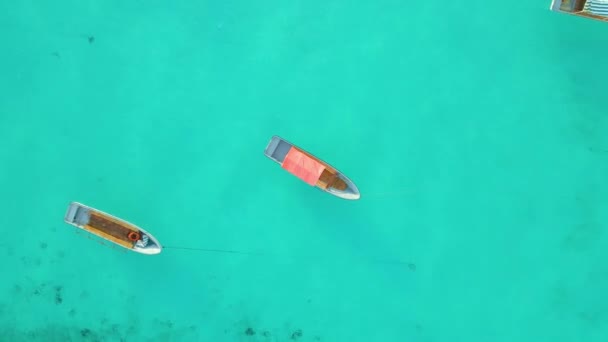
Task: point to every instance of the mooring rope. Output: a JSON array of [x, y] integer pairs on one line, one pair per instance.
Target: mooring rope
[[225, 251], [410, 265]]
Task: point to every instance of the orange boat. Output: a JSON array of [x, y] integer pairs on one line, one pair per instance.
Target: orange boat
[[112, 229], [311, 169]]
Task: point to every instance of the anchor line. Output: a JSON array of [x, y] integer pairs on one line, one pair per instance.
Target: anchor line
[[295, 257], [210, 250], [373, 260], [399, 192]]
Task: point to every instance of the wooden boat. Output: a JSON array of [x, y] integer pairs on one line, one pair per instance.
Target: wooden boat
[[311, 169], [594, 9], [112, 229]]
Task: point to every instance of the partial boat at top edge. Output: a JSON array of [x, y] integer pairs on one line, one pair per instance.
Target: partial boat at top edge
[[594, 9], [311, 169], [112, 229]]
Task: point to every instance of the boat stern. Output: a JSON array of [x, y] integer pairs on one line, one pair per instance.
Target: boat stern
[[77, 214]]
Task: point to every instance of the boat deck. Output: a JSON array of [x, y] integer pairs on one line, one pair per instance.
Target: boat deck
[[330, 179], [110, 229]]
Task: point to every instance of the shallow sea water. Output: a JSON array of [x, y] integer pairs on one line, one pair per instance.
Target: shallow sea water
[[476, 133]]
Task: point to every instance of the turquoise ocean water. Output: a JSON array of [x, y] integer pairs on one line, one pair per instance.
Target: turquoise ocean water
[[476, 132]]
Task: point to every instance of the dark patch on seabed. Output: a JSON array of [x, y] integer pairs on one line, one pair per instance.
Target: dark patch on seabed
[[587, 232], [107, 332], [565, 304], [597, 150], [296, 335], [58, 295], [293, 335]]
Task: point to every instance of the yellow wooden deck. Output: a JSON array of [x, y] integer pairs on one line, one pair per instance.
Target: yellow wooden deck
[[110, 228]]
